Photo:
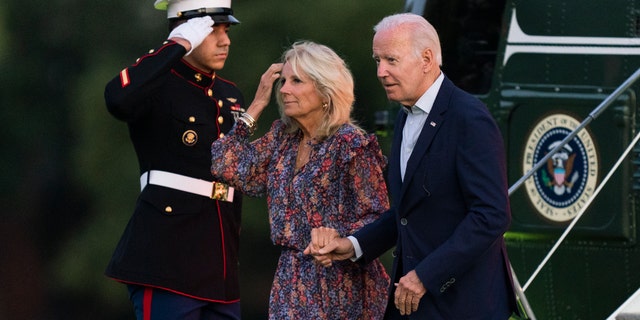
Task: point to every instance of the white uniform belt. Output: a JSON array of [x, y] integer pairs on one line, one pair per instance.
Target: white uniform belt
[[211, 189]]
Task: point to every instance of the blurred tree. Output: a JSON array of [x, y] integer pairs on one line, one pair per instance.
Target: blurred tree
[[69, 178]]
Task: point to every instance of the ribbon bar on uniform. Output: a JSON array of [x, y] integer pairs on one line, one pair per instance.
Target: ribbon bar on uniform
[[210, 189]]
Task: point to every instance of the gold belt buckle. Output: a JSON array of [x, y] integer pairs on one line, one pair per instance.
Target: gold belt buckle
[[220, 191]]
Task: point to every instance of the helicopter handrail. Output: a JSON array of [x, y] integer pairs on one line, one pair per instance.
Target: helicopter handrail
[[520, 290], [594, 114], [582, 210]]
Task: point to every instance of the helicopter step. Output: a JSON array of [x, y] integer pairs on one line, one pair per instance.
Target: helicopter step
[[629, 310]]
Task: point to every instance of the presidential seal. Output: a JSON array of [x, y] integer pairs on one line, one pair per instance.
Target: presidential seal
[[562, 186]]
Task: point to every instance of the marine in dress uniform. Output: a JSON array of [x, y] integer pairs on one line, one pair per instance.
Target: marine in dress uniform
[[180, 247]]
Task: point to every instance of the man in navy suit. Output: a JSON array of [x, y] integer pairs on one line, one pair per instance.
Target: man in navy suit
[[447, 178]]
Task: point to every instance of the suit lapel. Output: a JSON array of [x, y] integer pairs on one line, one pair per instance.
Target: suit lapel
[[431, 126], [395, 180]]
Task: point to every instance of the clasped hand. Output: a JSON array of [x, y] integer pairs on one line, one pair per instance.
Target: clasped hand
[[326, 246]]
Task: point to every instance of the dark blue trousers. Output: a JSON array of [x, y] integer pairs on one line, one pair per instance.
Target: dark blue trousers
[[156, 304]]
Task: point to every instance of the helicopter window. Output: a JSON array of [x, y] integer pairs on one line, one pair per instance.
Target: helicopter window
[[469, 33]]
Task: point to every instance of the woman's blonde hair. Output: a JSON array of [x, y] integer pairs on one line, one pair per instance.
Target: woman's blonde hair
[[332, 79]]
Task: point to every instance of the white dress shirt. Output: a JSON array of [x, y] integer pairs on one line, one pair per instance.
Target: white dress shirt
[[416, 117]]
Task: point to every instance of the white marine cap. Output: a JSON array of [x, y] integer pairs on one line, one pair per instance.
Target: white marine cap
[[219, 10]]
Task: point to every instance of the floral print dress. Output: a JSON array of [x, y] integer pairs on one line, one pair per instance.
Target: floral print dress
[[342, 187]]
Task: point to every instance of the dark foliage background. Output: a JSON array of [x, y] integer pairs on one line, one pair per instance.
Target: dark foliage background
[[69, 177]]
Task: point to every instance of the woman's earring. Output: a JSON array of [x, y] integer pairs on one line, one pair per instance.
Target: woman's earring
[[325, 106]]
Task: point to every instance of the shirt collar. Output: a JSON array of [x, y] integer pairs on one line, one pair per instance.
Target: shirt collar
[[425, 103]]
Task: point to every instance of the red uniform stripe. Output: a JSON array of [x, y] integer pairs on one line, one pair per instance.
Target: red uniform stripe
[[146, 303], [224, 249]]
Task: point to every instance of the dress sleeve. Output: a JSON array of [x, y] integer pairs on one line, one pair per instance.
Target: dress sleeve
[[243, 164], [365, 165]]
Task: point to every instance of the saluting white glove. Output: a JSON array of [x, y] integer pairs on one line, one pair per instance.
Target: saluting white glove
[[194, 31]]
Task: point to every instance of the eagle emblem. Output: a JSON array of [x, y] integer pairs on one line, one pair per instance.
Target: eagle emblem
[[559, 174]]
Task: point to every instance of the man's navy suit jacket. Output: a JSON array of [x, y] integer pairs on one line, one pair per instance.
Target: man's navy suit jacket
[[448, 217]]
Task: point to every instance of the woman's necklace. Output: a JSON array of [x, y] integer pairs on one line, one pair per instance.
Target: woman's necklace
[[304, 153]]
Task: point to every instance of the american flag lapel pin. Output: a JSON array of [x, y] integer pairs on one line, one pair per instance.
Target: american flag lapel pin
[[433, 124]]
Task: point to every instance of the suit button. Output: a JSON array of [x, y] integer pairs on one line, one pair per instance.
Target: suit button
[[394, 253], [168, 209], [403, 221]]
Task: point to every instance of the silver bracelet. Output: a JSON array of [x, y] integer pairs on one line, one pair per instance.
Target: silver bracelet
[[249, 121], [249, 117]]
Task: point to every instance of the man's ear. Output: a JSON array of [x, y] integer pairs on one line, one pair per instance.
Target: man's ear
[[428, 59]]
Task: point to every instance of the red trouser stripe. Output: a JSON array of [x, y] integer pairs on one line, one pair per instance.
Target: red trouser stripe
[[146, 303], [224, 248]]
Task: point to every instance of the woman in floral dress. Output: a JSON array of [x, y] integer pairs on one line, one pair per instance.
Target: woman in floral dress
[[316, 168]]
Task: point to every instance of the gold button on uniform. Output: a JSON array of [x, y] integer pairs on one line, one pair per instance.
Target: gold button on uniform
[[192, 119], [210, 93], [219, 103], [151, 51], [168, 209], [220, 120], [221, 135]]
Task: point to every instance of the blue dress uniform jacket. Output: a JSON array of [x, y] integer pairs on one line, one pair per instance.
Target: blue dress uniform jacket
[[449, 213], [175, 240]]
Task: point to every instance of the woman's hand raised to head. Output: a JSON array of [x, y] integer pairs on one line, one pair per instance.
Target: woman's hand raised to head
[[263, 93]]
